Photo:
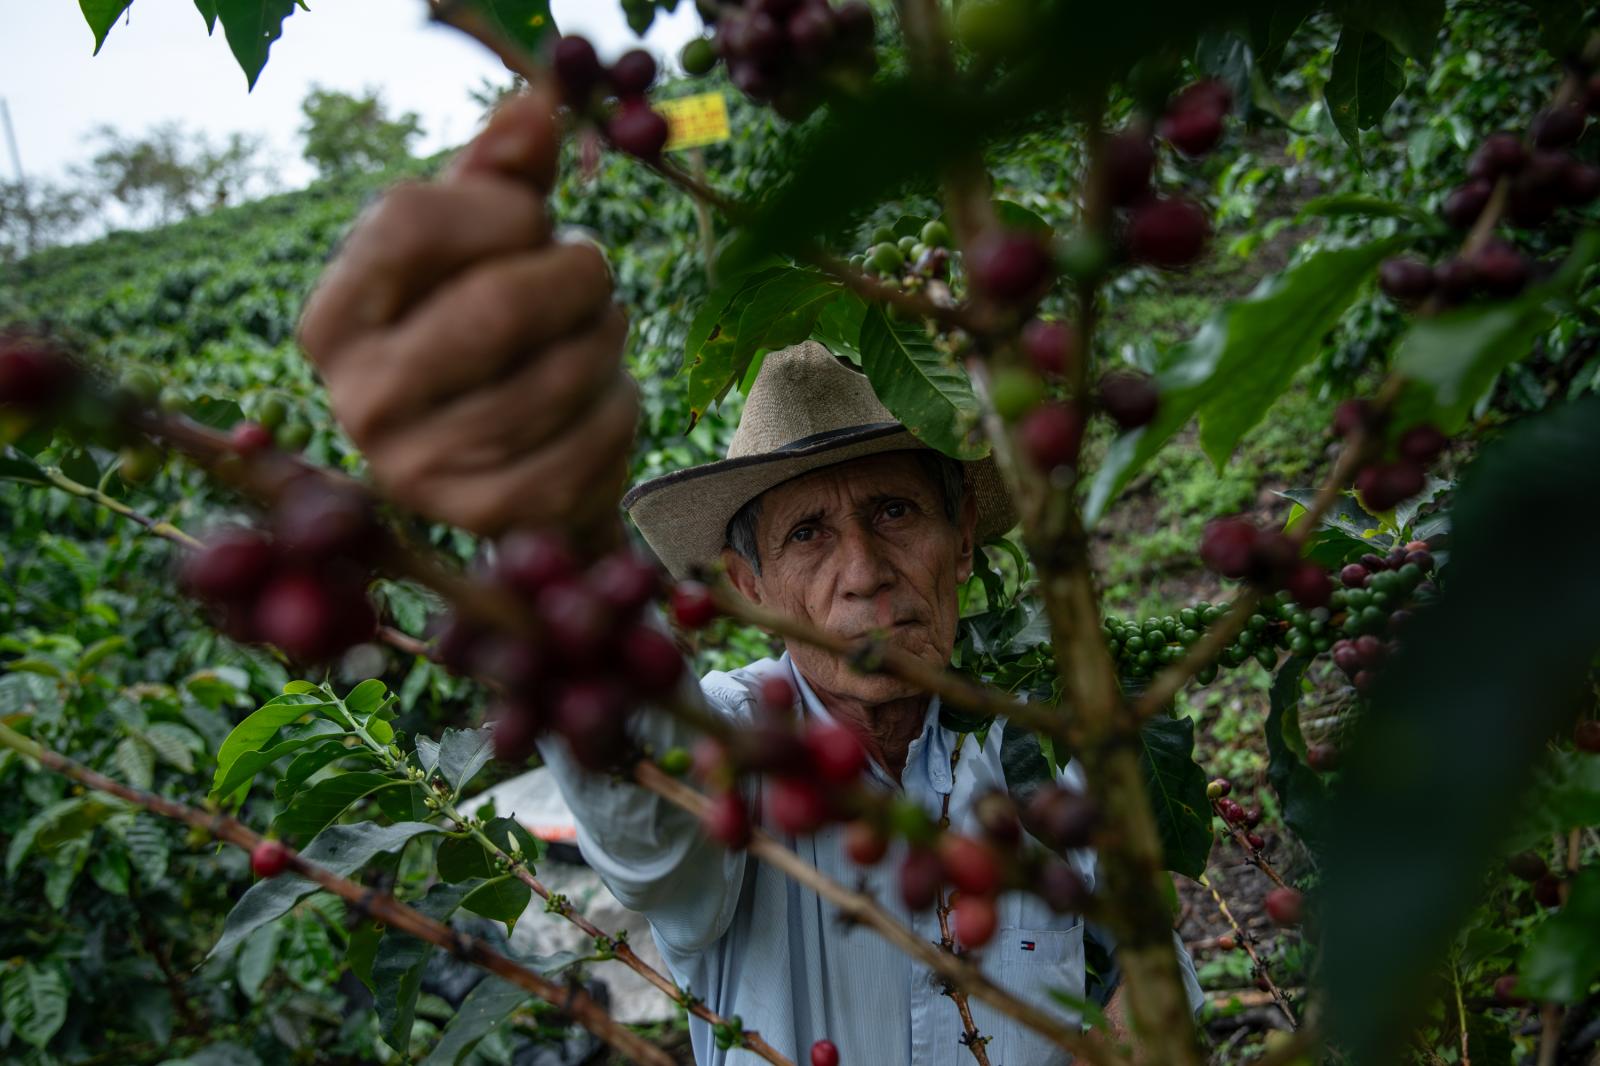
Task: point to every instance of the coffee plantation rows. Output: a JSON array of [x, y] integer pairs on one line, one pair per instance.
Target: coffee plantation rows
[[1458, 869]]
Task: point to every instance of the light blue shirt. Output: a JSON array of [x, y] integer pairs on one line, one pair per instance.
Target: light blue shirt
[[751, 943]]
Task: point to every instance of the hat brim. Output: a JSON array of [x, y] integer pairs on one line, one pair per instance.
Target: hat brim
[[684, 515]]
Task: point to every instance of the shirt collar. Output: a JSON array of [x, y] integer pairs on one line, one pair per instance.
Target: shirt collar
[[928, 754]]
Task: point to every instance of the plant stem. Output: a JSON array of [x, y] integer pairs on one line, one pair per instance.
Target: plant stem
[[381, 906], [161, 529], [974, 1041], [1247, 941]]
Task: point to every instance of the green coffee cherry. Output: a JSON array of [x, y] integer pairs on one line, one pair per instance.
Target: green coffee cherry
[[883, 235], [936, 234], [698, 56], [1015, 393], [886, 259]]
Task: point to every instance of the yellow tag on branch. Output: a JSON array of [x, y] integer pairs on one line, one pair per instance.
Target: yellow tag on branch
[[694, 120]]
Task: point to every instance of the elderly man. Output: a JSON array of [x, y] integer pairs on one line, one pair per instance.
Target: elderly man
[[478, 365]]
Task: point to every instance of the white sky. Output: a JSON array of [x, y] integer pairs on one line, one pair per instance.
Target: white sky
[[158, 65]]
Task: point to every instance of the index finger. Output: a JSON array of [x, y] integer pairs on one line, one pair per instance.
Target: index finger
[[522, 140]]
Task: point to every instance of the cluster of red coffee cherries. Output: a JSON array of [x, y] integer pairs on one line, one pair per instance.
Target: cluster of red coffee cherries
[[1403, 473], [300, 585], [35, 378], [1541, 177], [781, 51], [592, 659], [1238, 548], [1164, 231], [615, 97], [1230, 810]]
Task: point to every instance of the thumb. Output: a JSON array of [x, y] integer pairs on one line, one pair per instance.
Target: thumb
[[522, 140]]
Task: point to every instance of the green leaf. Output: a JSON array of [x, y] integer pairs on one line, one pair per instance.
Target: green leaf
[[1412, 26], [135, 761], [1361, 205], [98, 651], [1301, 794], [249, 735], [344, 849], [1177, 787], [524, 22], [33, 1000], [1563, 955], [208, 11], [110, 871], [462, 859], [1368, 73], [427, 754], [397, 967], [1566, 796], [1022, 764], [1432, 777], [485, 1007], [510, 836], [307, 763], [367, 697], [145, 837], [18, 467], [773, 309], [312, 809], [1014, 216], [921, 386], [1242, 360], [251, 26], [174, 744], [1560, 26], [362, 950], [101, 16], [462, 753], [502, 899], [1453, 358], [257, 958], [64, 821]]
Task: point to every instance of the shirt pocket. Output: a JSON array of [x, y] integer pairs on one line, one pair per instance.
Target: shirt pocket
[[1032, 963]]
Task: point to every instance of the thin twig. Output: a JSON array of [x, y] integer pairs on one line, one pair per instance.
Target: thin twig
[[156, 526], [1247, 941], [381, 906], [861, 908], [974, 1041]]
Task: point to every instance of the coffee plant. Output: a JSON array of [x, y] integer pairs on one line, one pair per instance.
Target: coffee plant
[[247, 700]]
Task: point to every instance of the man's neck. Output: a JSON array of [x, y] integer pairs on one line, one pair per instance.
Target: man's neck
[[887, 729]]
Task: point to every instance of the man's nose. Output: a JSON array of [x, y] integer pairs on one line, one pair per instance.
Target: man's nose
[[864, 570]]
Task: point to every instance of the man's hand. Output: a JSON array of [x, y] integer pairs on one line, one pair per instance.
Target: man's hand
[[476, 363]]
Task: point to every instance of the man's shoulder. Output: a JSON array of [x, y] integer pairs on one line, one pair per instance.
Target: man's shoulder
[[734, 691]]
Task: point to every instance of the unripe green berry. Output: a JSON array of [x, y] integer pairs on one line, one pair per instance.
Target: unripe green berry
[[936, 234], [886, 258], [1015, 393]]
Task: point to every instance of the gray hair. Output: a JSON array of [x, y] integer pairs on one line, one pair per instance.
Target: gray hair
[[947, 473]]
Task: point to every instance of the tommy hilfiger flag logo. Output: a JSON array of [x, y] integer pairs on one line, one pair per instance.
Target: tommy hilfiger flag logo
[[1027, 945]]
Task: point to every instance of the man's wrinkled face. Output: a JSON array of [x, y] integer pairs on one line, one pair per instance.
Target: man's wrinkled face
[[858, 547]]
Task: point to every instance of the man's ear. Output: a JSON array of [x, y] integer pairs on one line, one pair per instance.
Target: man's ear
[[969, 543], [742, 576]]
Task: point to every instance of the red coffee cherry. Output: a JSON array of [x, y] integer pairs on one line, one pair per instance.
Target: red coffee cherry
[[250, 438], [1231, 811], [855, 23], [976, 919], [1061, 887], [269, 858], [1502, 270], [1052, 434], [316, 520], [798, 806], [1228, 545], [1310, 586], [1128, 159], [823, 1053], [638, 130], [592, 715], [33, 378], [516, 727], [836, 752], [997, 816], [530, 562], [651, 661], [1547, 891], [1466, 202], [575, 622], [1558, 127], [775, 697], [1406, 281], [1457, 280], [971, 866], [1385, 485], [727, 820], [1168, 233], [1536, 192], [1130, 399], [1505, 991], [1372, 650], [864, 844], [920, 872], [1193, 131], [692, 605], [1273, 558], [1422, 444], [1256, 842], [1354, 576], [577, 68], [1226, 943], [1010, 267], [1586, 736], [1527, 866], [1218, 787], [233, 565], [1323, 758], [1500, 154], [1580, 184], [1061, 818], [1352, 415], [1345, 656], [633, 73], [624, 582], [1052, 347], [314, 616], [1285, 906], [811, 31]]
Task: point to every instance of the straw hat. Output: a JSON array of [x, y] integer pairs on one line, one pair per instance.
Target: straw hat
[[805, 411]]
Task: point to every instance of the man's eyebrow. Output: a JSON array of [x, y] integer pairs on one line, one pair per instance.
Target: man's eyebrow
[[805, 519]]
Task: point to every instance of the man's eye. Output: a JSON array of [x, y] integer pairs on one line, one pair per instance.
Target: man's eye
[[898, 509], [803, 534]]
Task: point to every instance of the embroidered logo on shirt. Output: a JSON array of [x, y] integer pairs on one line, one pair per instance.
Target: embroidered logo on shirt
[[1027, 945]]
